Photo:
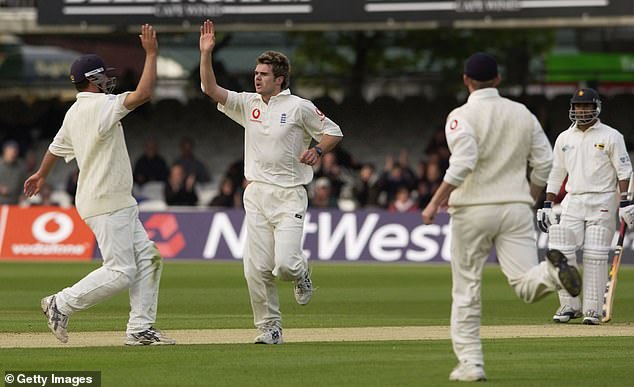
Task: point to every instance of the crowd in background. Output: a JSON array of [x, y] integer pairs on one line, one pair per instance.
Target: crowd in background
[[404, 183]]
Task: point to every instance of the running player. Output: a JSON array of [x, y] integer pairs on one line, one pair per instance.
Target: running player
[[92, 134], [492, 140]]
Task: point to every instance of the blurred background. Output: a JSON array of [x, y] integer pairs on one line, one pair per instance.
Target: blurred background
[[387, 72]]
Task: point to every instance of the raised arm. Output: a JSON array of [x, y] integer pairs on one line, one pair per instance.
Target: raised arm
[[145, 88], [207, 77]]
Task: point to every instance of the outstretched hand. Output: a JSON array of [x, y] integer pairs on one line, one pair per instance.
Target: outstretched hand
[[148, 39], [33, 184], [207, 36]]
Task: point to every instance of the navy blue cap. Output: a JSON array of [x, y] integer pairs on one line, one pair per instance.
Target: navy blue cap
[[481, 67], [85, 66], [585, 95]]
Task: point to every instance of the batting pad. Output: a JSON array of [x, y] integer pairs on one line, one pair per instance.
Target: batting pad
[[595, 267], [563, 239]]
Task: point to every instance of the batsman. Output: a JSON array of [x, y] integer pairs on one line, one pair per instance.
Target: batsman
[[594, 157]]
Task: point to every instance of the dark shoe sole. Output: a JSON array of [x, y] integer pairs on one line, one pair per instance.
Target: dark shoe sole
[[568, 275]]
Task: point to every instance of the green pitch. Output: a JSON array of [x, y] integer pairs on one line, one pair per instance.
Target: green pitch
[[213, 295]]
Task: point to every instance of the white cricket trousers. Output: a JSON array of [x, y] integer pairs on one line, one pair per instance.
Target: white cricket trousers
[[130, 260], [588, 222], [275, 224], [474, 230]]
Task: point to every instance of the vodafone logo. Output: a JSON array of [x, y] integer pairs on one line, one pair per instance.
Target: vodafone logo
[[165, 228], [54, 233], [320, 114], [453, 125], [52, 227], [255, 113]]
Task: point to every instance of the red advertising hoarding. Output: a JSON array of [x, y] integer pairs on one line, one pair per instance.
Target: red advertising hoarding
[[46, 233]]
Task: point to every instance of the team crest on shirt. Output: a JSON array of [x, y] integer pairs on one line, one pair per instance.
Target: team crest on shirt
[[256, 114], [566, 148], [624, 159], [600, 146]]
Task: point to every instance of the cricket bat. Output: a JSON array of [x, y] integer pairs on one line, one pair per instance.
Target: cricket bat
[[610, 286]]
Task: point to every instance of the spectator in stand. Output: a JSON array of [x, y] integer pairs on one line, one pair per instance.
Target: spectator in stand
[[71, 185], [235, 172], [403, 201], [151, 166], [322, 194], [45, 195], [437, 149], [180, 188], [190, 163], [329, 167], [12, 174], [433, 176], [424, 193], [394, 176], [226, 195], [366, 192]]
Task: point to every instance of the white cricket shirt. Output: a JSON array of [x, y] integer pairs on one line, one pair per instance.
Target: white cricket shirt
[[593, 160], [276, 134], [492, 139], [91, 133]]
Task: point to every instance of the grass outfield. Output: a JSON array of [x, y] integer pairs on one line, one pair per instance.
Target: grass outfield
[[213, 295]]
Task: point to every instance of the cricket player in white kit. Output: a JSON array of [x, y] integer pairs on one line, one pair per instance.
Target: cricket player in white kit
[[278, 129], [492, 139], [594, 157], [92, 134]]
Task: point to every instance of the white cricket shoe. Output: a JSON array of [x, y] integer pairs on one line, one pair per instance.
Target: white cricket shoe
[[303, 288], [149, 336], [566, 313], [591, 318], [465, 372], [271, 334], [57, 321]]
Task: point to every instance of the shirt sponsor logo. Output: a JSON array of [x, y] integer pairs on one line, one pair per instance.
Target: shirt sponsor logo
[[283, 119], [567, 147], [600, 146], [255, 115]]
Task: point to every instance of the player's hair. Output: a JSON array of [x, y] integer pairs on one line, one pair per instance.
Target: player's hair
[[279, 63], [83, 85]]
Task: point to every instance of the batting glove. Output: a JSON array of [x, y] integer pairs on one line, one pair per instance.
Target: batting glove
[[626, 212], [546, 217]]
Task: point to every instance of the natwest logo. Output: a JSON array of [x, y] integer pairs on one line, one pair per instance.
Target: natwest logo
[[54, 233], [165, 228]]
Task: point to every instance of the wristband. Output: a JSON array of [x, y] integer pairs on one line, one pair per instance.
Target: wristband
[[318, 150]]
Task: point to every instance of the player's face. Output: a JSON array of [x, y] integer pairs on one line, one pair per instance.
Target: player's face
[[265, 81]]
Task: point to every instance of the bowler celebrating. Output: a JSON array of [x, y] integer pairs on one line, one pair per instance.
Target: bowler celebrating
[[278, 163]]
